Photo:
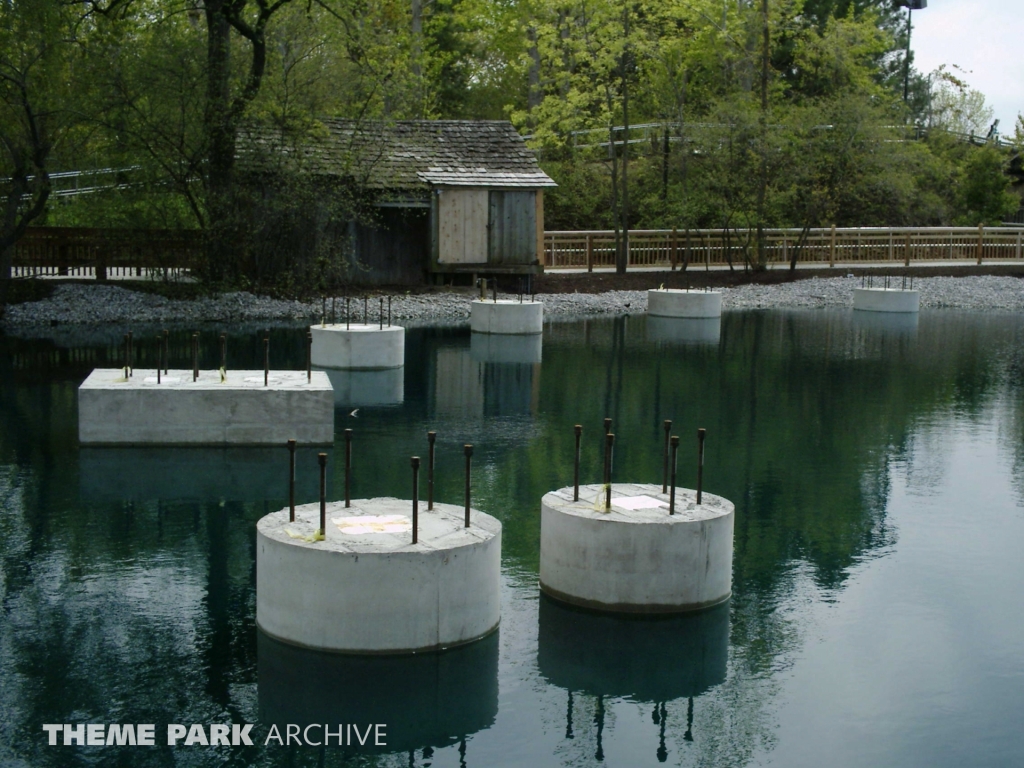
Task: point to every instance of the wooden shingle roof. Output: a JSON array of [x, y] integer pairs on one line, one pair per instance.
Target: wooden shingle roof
[[408, 154]]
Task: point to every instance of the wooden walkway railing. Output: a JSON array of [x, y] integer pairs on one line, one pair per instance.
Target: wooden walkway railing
[[694, 248], [104, 253]]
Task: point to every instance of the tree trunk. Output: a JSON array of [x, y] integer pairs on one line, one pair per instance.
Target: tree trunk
[[622, 255], [220, 136]]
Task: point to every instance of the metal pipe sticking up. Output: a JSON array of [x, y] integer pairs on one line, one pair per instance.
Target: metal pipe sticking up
[[664, 460], [195, 356], [576, 464], [415, 498], [266, 361], [468, 450], [672, 493], [224, 352], [609, 442], [322, 458], [348, 468], [380, 314], [167, 346], [431, 437], [291, 481], [701, 433]]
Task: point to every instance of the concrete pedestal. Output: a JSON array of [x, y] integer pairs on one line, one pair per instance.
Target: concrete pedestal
[[358, 347], [886, 300], [671, 302], [636, 558], [355, 389], [507, 316], [178, 411], [426, 699], [684, 330], [367, 588], [496, 348], [639, 658]]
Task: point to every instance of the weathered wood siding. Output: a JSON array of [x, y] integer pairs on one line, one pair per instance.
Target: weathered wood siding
[[395, 250], [462, 226], [513, 227]]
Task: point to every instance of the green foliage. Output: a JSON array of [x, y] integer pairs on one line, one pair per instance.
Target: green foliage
[[983, 196]]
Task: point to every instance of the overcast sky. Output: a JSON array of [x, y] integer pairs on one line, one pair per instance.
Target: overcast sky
[[985, 38]]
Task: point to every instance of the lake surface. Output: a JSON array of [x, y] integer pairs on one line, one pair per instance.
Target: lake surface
[[877, 618]]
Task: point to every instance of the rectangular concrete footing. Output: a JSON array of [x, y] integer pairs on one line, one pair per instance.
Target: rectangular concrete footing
[[238, 410]]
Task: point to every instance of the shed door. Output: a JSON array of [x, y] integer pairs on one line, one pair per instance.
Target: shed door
[[462, 226], [513, 228]]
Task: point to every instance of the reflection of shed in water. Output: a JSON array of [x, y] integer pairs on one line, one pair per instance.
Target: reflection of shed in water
[[647, 660], [233, 474], [428, 700], [469, 388]]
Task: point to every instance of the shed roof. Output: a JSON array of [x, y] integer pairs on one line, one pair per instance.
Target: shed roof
[[407, 154]]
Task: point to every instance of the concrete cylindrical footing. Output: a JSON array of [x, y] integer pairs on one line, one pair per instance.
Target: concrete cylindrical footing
[[507, 316], [634, 657], [684, 330], [886, 300], [355, 389], [358, 347], [636, 558], [670, 302], [367, 588], [494, 348], [426, 699]]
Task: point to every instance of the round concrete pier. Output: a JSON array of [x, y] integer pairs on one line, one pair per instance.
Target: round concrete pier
[[366, 588], [507, 316], [671, 302], [426, 699], [358, 347], [886, 300], [636, 558]]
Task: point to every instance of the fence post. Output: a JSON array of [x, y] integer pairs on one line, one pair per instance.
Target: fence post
[[101, 264], [981, 237], [906, 252], [832, 248], [590, 253]]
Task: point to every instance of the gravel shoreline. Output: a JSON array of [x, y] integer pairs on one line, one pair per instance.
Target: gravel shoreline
[[101, 304]]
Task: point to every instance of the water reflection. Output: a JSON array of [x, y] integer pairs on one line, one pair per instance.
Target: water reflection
[[357, 389], [467, 387], [684, 330], [429, 700], [501, 348]]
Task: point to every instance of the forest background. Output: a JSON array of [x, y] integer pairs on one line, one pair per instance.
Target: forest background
[[738, 113]]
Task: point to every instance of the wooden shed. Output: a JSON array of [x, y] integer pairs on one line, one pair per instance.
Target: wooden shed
[[450, 196]]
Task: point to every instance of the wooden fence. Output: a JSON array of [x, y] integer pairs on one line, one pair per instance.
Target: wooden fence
[[104, 253], [671, 248]]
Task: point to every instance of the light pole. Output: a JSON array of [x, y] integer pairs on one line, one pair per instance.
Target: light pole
[[911, 6]]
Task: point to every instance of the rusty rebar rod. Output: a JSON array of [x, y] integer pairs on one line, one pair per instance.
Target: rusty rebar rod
[[126, 356], [348, 312], [468, 450], [389, 311], [672, 494], [380, 314], [291, 481], [348, 468], [322, 458], [366, 305], [167, 353], [159, 359], [224, 352], [266, 361], [609, 442], [431, 437], [664, 472], [415, 498], [701, 433], [131, 354], [195, 356], [607, 425], [578, 429], [309, 357]]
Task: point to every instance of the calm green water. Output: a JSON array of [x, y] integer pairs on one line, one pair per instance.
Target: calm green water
[[877, 618]]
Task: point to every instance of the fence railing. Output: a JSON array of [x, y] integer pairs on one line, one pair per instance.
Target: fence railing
[[672, 248], [104, 253]]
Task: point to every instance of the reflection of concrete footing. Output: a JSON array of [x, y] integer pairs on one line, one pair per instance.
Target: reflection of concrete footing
[[671, 302], [143, 473], [367, 588], [636, 558], [497, 348], [506, 316], [684, 330], [644, 659], [886, 300], [239, 410], [887, 324], [427, 700], [355, 389], [358, 347]]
